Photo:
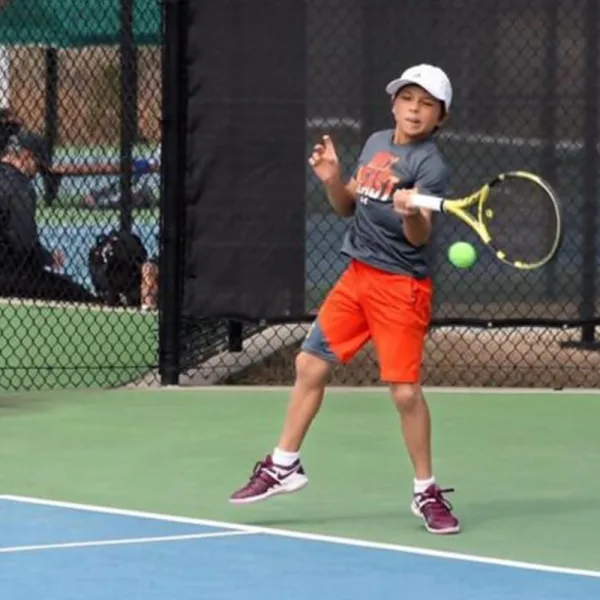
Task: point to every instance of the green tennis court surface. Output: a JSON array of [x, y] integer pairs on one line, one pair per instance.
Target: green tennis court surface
[[524, 465]]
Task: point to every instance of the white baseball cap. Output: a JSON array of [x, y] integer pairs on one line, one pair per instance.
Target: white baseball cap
[[430, 78]]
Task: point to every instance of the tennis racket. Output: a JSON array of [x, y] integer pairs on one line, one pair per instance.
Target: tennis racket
[[517, 214]]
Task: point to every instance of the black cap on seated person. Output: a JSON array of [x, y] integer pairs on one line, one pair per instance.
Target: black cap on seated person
[[34, 143]]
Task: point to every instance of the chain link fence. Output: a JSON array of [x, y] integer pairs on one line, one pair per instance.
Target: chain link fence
[[79, 192], [79, 273], [526, 84]]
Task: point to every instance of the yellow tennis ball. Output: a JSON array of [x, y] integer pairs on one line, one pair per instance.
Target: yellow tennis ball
[[462, 255]]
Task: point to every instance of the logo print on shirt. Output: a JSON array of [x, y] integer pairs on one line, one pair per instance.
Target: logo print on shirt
[[376, 180]]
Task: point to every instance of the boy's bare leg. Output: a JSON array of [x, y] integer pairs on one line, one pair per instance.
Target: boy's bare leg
[[305, 400], [282, 471], [416, 427], [428, 502]]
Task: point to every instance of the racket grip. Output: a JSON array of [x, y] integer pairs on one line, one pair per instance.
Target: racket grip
[[430, 202]]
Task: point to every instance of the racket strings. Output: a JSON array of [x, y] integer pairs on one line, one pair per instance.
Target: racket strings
[[521, 217]]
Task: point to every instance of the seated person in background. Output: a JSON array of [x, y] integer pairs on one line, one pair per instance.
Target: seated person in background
[[142, 192], [23, 259], [118, 276], [121, 273], [149, 285], [9, 126], [109, 196]]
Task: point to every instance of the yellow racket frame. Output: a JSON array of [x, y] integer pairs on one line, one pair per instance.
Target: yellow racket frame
[[457, 208]]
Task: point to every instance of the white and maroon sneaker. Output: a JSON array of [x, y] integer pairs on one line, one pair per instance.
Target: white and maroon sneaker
[[435, 510], [269, 479]]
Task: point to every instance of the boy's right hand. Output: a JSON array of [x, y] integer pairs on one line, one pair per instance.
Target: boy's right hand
[[325, 162]]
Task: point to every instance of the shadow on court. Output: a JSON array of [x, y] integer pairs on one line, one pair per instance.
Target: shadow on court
[[16, 403], [479, 514], [389, 516]]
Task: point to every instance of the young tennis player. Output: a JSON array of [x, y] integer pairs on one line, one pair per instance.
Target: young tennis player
[[384, 294]]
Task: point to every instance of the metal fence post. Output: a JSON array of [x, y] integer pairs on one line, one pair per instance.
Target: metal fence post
[[173, 173]]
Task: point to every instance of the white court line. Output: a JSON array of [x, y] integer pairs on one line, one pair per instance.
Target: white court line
[[310, 537], [122, 542]]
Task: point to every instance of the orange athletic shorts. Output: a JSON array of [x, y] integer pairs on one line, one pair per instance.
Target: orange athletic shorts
[[368, 303]]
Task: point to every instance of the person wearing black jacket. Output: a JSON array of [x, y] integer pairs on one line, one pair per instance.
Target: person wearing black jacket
[[10, 125], [24, 262]]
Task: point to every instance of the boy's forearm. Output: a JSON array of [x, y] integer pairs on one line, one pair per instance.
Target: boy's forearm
[[417, 228], [341, 197]]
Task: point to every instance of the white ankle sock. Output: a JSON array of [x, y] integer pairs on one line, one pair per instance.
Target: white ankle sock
[[284, 459], [422, 484]]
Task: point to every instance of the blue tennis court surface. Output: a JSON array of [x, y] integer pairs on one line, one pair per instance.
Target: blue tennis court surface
[[51, 551]]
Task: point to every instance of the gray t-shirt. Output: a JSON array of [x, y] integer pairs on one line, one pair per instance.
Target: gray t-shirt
[[375, 235]]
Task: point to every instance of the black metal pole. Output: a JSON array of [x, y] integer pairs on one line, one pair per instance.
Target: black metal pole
[[235, 336], [549, 119], [128, 111], [51, 116], [172, 204], [590, 172], [589, 178]]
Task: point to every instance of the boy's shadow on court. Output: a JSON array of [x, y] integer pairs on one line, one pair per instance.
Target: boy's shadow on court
[[284, 522], [473, 515], [478, 514], [12, 404]]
